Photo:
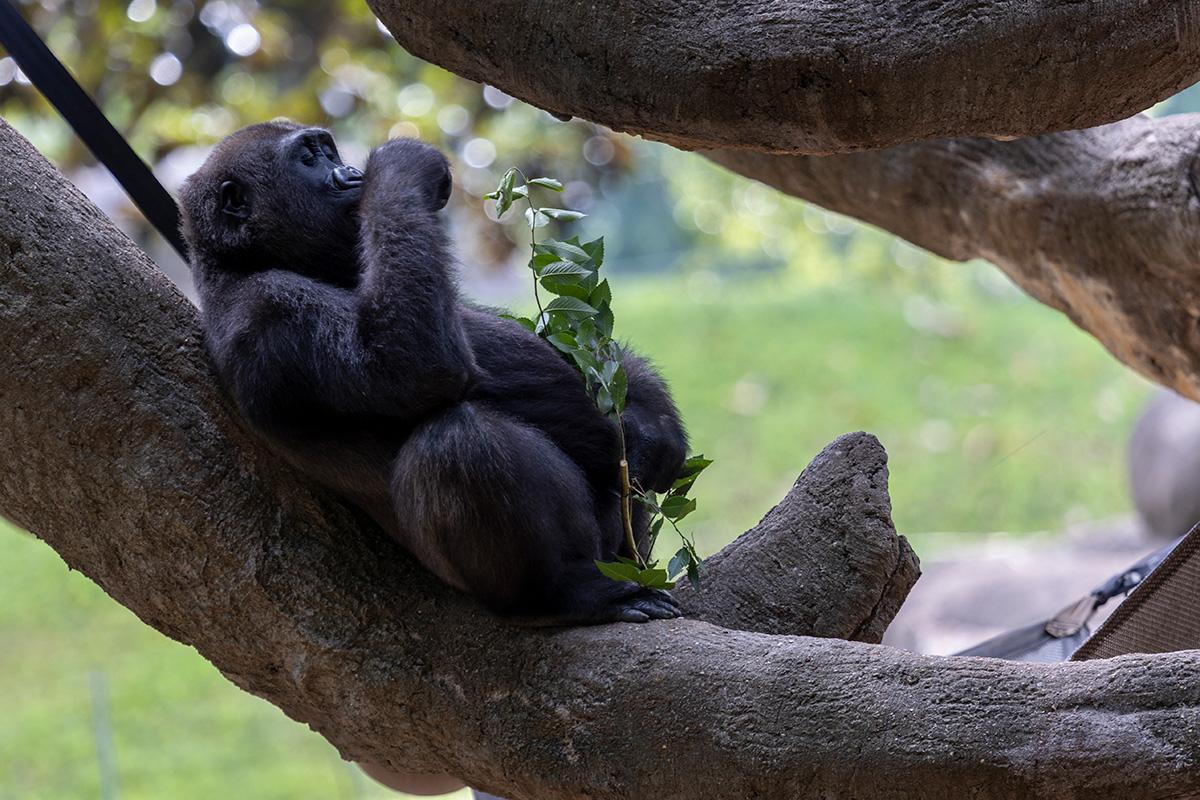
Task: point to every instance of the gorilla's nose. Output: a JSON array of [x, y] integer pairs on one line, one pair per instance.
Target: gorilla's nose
[[345, 177]]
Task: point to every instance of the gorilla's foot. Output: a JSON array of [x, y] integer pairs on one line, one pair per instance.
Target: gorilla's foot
[[641, 605], [602, 600]]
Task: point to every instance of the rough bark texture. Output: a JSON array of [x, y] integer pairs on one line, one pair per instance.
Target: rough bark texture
[[815, 76], [854, 571], [1102, 224], [121, 455]]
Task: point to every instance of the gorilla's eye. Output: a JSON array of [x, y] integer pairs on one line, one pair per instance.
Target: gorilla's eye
[[233, 200], [325, 147]]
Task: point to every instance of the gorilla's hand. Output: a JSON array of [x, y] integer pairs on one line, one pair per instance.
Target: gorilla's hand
[[413, 165], [656, 448]]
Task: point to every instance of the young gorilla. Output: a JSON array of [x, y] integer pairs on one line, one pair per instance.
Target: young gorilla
[[332, 319]]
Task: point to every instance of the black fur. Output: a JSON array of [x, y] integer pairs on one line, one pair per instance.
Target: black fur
[[332, 319]]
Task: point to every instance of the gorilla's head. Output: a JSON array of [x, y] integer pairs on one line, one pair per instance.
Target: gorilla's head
[[274, 195]]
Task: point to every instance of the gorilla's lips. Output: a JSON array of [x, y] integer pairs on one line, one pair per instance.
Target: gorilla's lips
[[346, 178]]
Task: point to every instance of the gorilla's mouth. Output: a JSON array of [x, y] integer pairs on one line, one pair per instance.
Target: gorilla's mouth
[[345, 178]]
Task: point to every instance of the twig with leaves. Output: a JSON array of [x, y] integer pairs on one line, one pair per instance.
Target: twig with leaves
[[578, 322]]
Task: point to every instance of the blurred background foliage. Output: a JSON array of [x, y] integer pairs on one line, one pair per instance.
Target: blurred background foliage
[[778, 324]]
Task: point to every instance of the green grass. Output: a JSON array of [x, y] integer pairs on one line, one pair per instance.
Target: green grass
[[1014, 421]]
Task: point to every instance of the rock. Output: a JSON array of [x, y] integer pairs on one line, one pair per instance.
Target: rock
[[1164, 465]]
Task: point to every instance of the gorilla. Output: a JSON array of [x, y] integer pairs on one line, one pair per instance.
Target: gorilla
[[331, 317]]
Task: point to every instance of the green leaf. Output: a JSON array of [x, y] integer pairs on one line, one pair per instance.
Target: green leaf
[[655, 579], [681, 486], [677, 507], [617, 571], [504, 199], [547, 183], [563, 214], [601, 294], [562, 268], [559, 323], [564, 250], [604, 400], [608, 372], [604, 320], [595, 249], [563, 341], [619, 387], [679, 562], [584, 360], [524, 322], [625, 570], [694, 466], [539, 260], [567, 285], [585, 333], [688, 474], [564, 277], [570, 305], [693, 573], [536, 219], [647, 499]]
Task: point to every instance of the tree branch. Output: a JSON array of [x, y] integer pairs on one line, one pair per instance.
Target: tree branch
[[808, 76], [1102, 224], [120, 454], [830, 543]]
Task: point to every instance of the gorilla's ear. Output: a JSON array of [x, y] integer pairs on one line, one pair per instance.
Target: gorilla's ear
[[443, 193], [233, 201]]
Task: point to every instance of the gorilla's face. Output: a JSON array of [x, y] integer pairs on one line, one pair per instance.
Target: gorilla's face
[[275, 195]]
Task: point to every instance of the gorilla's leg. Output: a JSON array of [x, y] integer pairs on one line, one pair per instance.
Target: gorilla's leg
[[493, 507]]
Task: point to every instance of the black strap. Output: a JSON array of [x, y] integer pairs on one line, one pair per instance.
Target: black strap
[[52, 79]]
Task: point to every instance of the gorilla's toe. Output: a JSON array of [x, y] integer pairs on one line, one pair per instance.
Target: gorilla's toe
[[644, 605]]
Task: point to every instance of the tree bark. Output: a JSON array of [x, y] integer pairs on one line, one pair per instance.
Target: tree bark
[[1102, 224], [813, 76], [121, 454]]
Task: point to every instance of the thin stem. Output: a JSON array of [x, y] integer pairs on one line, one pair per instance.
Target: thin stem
[[533, 215], [627, 498]]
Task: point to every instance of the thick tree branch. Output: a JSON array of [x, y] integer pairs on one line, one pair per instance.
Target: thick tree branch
[[1102, 224], [121, 455], [824, 562], [811, 76]]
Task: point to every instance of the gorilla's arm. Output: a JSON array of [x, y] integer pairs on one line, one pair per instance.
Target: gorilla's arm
[[655, 437], [408, 316], [289, 347]]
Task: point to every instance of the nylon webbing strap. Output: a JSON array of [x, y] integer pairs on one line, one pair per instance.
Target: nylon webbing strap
[[62, 91], [1161, 615]]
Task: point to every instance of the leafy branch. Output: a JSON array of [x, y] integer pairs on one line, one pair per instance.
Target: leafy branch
[[578, 322]]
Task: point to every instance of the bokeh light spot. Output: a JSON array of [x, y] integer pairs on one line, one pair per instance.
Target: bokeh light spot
[[243, 40], [479, 152], [166, 69], [141, 10]]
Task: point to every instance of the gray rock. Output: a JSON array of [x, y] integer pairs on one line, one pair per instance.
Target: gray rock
[[1164, 465]]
